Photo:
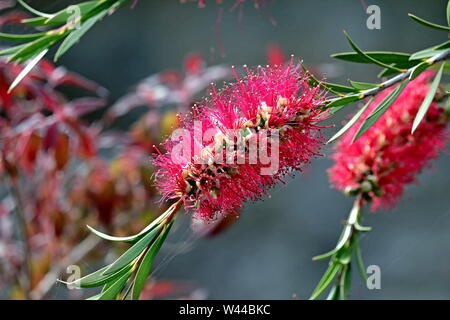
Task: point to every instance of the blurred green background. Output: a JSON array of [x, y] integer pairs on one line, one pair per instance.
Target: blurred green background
[[267, 254]]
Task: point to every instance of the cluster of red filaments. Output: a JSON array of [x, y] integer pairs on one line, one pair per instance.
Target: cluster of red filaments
[[388, 156], [269, 106]]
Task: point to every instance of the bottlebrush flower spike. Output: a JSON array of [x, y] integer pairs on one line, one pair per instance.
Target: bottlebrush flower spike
[[387, 157], [276, 101]]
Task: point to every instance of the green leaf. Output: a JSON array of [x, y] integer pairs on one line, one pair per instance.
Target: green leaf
[[402, 65], [333, 87], [380, 110], [344, 101], [36, 22], [429, 52], [361, 228], [362, 85], [426, 53], [334, 293], [133, 252], [27, 69], [97, 278], [428, 23], [421, 67], [345, 282], [31, 49], [326, 280], [21, 37], [32, 10], [428, 99], [134, 238], [382, 56], [115, 239], [367, 57], [12, 50], [76, 34], [336, 109], [337, 88], [448, 13], [359, 260], [444, 45], [146, 264], [353, 120], [113, 290], [64, 15], [388, 72], [345, 235]]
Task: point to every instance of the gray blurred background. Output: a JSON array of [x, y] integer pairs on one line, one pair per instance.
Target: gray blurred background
[[267, 254]]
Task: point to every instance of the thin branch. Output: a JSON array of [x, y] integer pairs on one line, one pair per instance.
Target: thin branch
[[394, 80]]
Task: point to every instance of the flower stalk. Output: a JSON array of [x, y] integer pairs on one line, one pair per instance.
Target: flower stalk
[[341, 258]]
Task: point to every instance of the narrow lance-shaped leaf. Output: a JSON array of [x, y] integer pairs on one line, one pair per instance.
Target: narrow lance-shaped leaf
[[334, 293], [113, 290], [352, 121], [36, 22], [428, 23], [31, 49], [343, 101], [428, 99], [12, 50], [388, 72], [448, 13], [32, 10], [326, 280], [27, 69], [136, 237], [364, 55], [345, 282], [380, 110], [444, 45], [337, 88], [64, 15], [362, 85], [421, 67], [359, 260], [427, 53], [385, 57], [147, 263], [346, 233], [76, 34], [21, 37], [133, 252], [97, 278]]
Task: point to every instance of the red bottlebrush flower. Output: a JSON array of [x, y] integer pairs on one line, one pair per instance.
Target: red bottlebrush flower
[[272, 107], [388, 156]]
